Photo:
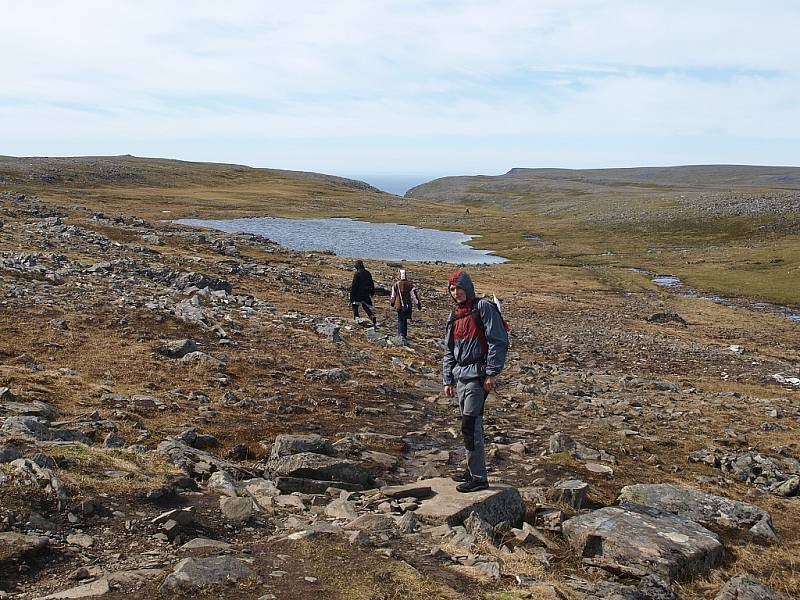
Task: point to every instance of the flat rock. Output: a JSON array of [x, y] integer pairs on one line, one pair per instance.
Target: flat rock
[[318, 466], [411, 490], [714, 512], [633, 538], [205, 544], [191, 574], [80, 539], [744, 587], [36, 408], [499, 503], [88, 590]]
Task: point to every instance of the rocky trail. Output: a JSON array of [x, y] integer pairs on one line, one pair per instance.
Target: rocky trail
[[191, 412]]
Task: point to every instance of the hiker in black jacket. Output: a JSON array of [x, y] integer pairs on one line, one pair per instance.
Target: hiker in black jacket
[[362, 290]]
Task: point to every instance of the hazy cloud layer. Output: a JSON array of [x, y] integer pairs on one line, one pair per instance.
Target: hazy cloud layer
[[360, 87]]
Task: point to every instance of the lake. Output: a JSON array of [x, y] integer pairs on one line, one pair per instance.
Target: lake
[[358, 239]]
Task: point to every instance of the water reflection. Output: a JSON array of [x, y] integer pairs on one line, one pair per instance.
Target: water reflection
[[347, 237]]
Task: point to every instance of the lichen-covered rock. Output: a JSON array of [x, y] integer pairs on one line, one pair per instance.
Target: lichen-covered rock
[[286, 444], [317, 466], [632, 538], [191, 574], [715, 512]]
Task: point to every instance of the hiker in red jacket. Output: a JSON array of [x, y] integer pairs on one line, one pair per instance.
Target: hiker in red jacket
[[476, 344]]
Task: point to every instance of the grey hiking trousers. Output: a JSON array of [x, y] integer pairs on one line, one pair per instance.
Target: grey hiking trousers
[[471, 399]]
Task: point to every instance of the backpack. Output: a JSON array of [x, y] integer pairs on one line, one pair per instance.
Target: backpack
[[476, 315]]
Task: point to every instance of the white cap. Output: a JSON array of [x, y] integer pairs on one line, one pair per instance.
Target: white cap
[[402, 273]]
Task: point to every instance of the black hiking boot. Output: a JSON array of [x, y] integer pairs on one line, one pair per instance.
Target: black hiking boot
[[473, 485], [462, 477]]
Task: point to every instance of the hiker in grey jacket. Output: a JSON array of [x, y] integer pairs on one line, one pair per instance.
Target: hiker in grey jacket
[[476, 344]]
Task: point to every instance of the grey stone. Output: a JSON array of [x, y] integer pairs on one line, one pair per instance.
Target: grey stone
[[191, 574], [204, 359], [114, 440], [36, 408], [636, 539], [744, 587], [498, 503], [318, 466], [8, 453], [408, 523], [287, 444], [221, 481], [80, 539], [237, 510], [329, 330], [561, 442], [205, 544], [715, 512], [789, 487], [341, 509], [177, 348], [572, 492], [327, 375], [373, 523]]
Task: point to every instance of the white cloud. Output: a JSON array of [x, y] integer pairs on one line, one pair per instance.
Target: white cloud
[[215, 75]]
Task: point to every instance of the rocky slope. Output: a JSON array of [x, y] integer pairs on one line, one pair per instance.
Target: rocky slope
[[182, 410]]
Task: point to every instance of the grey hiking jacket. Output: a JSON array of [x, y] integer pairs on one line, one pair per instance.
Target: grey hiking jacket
[[465, 356]]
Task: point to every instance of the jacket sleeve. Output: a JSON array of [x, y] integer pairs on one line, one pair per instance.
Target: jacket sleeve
[[449, 359], [392, 296], [354, 285], [370, 285], [496, 338]]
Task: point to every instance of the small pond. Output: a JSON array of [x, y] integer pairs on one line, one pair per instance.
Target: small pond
[[361, 239]]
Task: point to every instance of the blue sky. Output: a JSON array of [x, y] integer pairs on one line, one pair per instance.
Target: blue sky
[[404, 89]]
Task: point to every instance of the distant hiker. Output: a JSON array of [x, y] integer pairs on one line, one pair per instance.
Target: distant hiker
[[361, 291], [403, 297], [476, 343]]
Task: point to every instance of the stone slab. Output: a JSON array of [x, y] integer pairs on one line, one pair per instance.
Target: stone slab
[[499, 503], [634, 538]]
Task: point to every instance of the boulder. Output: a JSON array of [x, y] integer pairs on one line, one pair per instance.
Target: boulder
[[714, 512], [192, 574], [286, 444], [177, 348], [447, 506], [13, 544], [318, 466], [638, 540], [221, 481]]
